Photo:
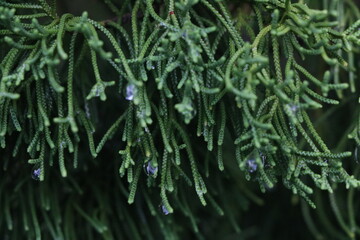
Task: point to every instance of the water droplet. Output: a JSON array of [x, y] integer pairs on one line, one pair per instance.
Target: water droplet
[[263, 158], [62, 144], [356, 155], [293, 107], [87, 110], [153, 67], [150, 170], [130, 92], [97, 92], [162, 24], [251, 164], [35, 173], [164, 210]]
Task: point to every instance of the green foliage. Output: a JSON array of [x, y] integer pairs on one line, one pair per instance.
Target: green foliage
[[197, 92]]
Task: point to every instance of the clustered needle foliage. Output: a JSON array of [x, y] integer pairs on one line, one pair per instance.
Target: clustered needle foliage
[[198, 93]]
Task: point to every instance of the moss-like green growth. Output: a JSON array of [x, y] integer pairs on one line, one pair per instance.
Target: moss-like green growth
[[205, 96]]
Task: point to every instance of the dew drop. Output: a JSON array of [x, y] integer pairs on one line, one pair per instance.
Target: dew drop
[[356, 155], [150, 170], [251, 165], [263, 158], [293, 107], [62, 144], [164, 210], [87, 110], [97, 92], [130, 92], [35, 173], [147, 129]]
